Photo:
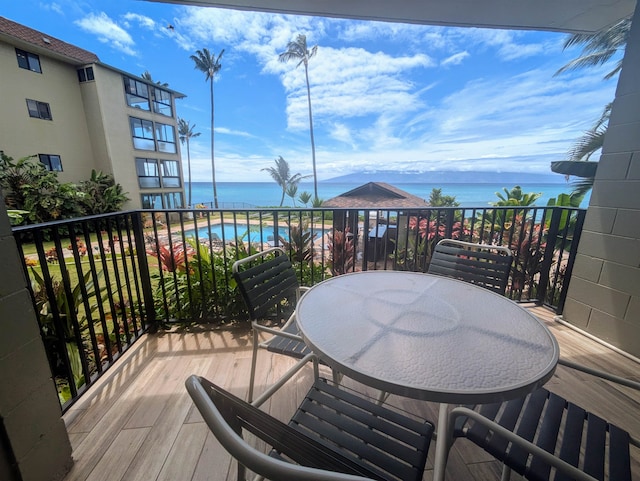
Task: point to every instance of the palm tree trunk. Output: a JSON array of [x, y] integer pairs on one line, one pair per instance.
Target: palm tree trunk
[[213, 163], [313, 143], [189, 171]]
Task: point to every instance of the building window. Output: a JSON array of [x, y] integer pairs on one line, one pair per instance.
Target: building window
[[39, 110], [162, 102], [151, 201], [85, 74], [150, 136], [142, 132], [148, 174], [51, 162], [172, 200], [170, 173], [165, 136], [29, 61], [137, 93]]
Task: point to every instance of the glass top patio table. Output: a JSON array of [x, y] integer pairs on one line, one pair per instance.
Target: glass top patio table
[[427, 337]]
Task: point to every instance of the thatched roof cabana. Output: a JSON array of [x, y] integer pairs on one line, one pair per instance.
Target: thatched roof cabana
[[376, 195]]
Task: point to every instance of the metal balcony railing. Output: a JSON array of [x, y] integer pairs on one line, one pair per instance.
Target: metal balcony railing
[[100, 282]]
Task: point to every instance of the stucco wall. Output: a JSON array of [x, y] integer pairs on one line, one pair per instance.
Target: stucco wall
[[66, 135], [604, 295], [36, 436]]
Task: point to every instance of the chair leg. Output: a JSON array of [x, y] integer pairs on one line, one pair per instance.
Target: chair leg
[[254, 359], [382, 397], [506, 473]]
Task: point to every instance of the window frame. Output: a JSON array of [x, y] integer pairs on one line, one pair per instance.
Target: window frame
[[85, 74], [150, 200], [172, 200], [143, 173], [169, 180], [30, 61], [132, 90], [143, 140], [48, 161], [39, 110], [161, 105], [162, 132]]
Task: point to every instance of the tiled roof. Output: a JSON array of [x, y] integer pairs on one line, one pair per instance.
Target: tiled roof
[[44, 41], [376, 195]]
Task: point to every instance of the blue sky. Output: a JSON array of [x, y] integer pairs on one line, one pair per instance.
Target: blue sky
[[385, 96]]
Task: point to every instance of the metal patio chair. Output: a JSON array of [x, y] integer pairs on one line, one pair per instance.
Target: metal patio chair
[[267, 280], [484, 265], [333, 435], [544, 432]]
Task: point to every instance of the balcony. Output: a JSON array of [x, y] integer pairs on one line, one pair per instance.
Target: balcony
[[145, 298]]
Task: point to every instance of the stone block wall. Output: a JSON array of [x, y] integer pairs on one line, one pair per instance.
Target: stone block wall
[[33, 438], [604, 295]]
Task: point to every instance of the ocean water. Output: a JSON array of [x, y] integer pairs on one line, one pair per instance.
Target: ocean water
[[267, 194]]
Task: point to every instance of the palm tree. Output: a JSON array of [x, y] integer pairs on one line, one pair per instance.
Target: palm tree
[[598, 48], [208, 63], [147, 76], [297, 50], [186, 133], [282, 175]]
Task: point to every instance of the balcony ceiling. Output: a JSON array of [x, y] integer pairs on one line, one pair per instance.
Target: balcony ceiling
[[556, 15]]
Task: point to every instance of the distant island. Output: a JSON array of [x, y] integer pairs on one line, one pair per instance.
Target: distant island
[[449, 177]]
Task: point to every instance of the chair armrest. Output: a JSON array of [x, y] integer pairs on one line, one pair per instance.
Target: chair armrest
[[601, 374], [549, 458], [278, 332], [286, 376]]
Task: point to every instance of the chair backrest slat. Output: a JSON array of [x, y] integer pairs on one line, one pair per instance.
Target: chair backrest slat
[[265, 282], [484, 265], [619, 456]]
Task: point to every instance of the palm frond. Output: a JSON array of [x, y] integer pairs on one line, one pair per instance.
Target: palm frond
[[582, 186], [587, 145], [598, 48]]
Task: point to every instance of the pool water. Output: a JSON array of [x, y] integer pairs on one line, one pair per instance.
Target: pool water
[[231, 232]]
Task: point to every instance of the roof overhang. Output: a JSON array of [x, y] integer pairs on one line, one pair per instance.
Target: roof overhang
[[555, 15]]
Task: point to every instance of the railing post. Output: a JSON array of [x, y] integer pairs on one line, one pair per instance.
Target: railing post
[[145, 277], [547, 260], [577, 232]]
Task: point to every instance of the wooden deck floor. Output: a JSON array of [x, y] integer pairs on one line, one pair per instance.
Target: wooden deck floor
[[139, 423]]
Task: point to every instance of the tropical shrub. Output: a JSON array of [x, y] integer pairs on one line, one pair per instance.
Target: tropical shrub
[[416, 242], [196, 282], [102, 194], [68, 307], [37, 193], [342, 253], [29, 186]]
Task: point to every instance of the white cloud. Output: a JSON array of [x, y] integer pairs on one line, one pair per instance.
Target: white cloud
[[455, 59], [342, 133], [364, 83], [107, 31], [226, 131], [141, 20], [54, 7]]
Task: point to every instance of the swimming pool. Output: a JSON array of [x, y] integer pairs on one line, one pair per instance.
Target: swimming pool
[[229, 232]]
